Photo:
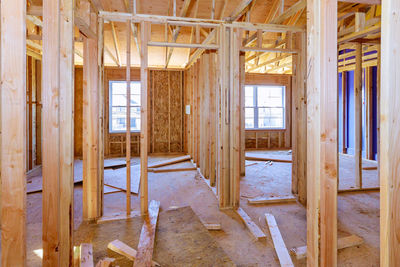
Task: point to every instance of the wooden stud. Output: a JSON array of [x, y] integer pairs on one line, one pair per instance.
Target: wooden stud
[[358, 80], [58, 125], [256, 232], [242, 80], [299, 123], [13, 125], [100, 61], [125, 250], [92, 184], [389, 172], [128, 118], [322, 157], [86, 255], [145, 31]]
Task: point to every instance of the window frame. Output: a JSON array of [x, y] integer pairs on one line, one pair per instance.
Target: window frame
[[110, 106], [255, 107]]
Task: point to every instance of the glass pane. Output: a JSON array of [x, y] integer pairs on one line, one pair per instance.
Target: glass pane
[[135, 88], [269, 96], [118, 100], [270, 118], [249, 118], [118, 88], [135, 118], [249, 96], [118, 119], [135, 100]]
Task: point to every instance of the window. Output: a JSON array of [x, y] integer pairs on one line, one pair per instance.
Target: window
[[118, 106], [264, 107]]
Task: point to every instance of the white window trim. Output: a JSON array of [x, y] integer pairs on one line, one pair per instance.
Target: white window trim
[[110, 107], [256, 107]]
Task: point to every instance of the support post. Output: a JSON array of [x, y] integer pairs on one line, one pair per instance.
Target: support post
[[322, 154], [358, 80], [92, 184], [145, 36], [299, 122], [57, 136], [128, 118], [390, 129], [13, 125]]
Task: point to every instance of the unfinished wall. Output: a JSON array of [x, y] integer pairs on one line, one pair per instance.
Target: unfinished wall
[[165, 113], [271, 139]]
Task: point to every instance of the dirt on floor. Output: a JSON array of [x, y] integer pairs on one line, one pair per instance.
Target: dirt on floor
[[358, 213]]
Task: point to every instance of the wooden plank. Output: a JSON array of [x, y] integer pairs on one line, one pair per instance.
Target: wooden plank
[[239, 10], [101, 117], [271, 200], [13, 125], [92, 186], [212, 226], [256, 232], [117, 217], [389, 159], [343, 242], [157, 170], [86, 255], [322, 133], [145, 32], [128, 118], [262, 158], [125, 250], [58, 156], [358, 81], [106, 262], [170, 161], [279, 244], [366, 2], [146, 241]]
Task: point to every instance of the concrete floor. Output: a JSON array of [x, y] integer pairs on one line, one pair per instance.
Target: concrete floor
[[358, 213]]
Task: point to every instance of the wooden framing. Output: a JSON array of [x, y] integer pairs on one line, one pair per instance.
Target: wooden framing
[[144, 38], [13, 125], [389, 171], [358, 81], [92, 182], [58, 155], [322, 157], [299, 123], [128, 118]]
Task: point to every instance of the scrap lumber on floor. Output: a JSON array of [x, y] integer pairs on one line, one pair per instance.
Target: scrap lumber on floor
[[169, 161], [147, 235], [106, 262], [157, 170], [257, 233], [125, 250], [86, 255], [343, 242], [117, 179], [261, 158], [117, 217], [279, 244], [271, 200]]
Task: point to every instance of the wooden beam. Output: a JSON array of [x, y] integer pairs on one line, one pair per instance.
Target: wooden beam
[[144, 38], [92, 190], [271, 200], [57, 136], [177, 30], [116, 43], [322, 133], [299, 125], [13, 125], [128, 118], [389, 172], [289, 12], [239, 10], [279, 244], [146, 242], [170, 161], [366, 2], [358, 81]]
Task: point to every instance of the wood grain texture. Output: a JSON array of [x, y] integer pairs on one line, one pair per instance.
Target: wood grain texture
[[125, 250], [147, 235], [390, 130], [13, 125], [256, 232], [322, 157], [358, 118], [279, 244]]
